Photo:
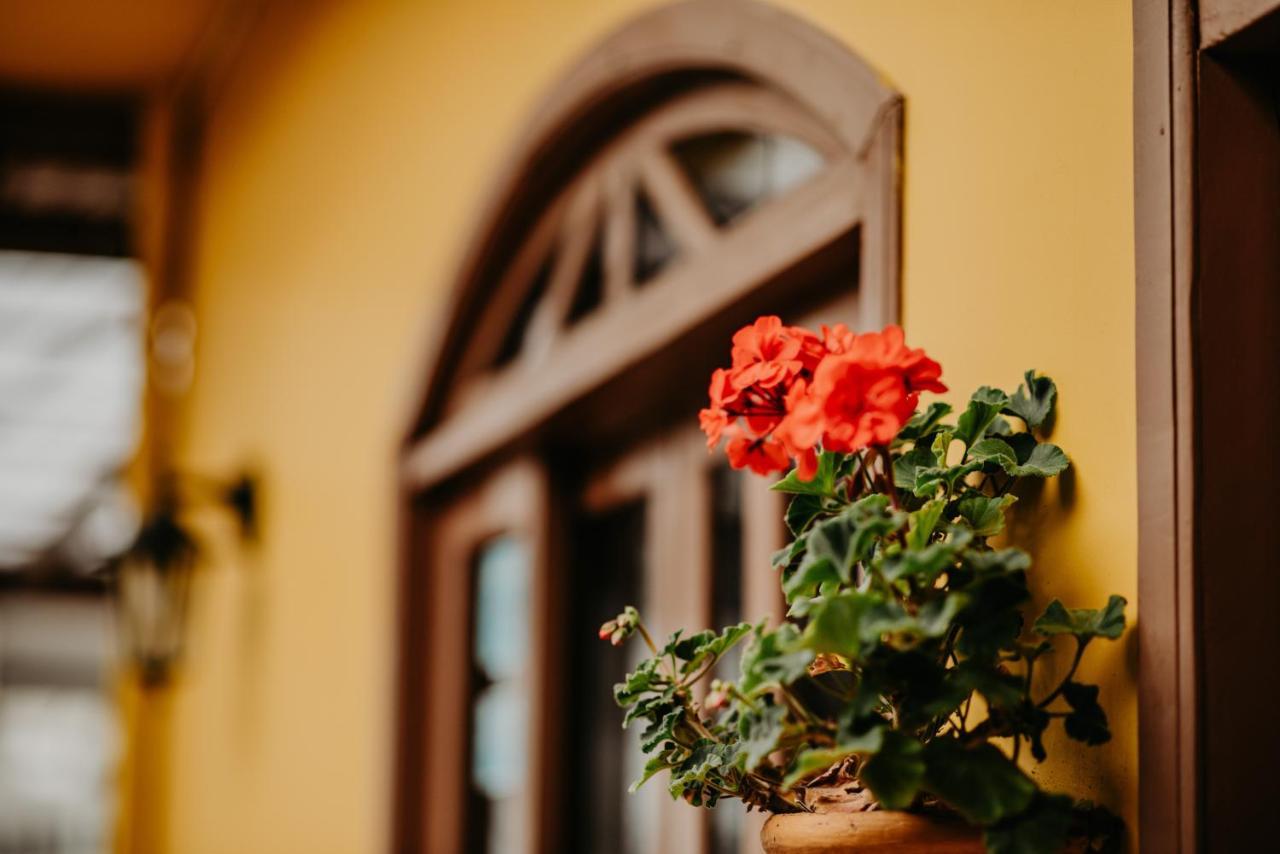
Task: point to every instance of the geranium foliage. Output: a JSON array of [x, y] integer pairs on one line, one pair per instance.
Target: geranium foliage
[[906, 663]]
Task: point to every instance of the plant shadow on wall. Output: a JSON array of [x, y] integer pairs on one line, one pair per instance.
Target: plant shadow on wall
[[905, 675]]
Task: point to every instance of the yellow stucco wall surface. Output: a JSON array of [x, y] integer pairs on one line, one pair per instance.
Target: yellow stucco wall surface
[[344, 166]]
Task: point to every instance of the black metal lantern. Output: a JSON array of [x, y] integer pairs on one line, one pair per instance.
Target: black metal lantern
[[153, 577]]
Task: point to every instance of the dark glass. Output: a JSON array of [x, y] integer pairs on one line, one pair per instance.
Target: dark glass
[[590, 291], [654, 248], [514, 339], [607, 567]]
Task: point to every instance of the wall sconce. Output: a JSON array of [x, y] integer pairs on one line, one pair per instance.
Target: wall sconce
[[153, 576]]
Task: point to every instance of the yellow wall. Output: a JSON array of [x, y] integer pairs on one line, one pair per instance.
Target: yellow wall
[[343, 169]]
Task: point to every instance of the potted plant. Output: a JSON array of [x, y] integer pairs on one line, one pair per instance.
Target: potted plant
[[891, 707]]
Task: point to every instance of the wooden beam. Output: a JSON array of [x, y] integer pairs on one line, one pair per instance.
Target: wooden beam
[[577, 232], [677, 203]]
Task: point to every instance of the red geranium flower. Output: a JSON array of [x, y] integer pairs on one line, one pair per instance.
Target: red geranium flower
[[762, 454], [766, 353], [789, 392]]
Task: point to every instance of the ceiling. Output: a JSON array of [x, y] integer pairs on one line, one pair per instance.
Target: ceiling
[[98, 45]]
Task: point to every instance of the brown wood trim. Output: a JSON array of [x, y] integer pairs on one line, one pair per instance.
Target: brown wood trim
[[1164, 115], [677, 202], [1221, 19], [526, 263], [619, 236], [577, 233]]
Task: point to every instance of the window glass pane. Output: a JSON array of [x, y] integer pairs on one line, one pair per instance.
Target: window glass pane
[[607, 569], [734, 171], [500, 713], [514, 338], [653, 247], [590, 290]]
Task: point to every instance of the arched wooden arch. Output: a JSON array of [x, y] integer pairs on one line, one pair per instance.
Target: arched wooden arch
[[558, 339]]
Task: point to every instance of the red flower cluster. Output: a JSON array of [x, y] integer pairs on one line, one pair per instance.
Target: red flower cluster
[[790, 391]]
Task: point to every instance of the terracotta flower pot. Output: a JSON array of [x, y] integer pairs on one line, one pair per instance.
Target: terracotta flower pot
[[868, 833]]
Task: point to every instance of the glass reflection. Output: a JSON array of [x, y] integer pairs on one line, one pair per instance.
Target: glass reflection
[[734, 171], [500, 706]]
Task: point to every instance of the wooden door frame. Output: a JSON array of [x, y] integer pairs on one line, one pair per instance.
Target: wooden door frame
[[1164, 136], [1169, 38]]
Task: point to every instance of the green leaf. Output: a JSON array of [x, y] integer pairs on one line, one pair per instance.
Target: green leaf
[[935, 616], [1087, 721], [835, 623], [908, 467], [1084, 623], [923, 565], [760, 730], [983, 408], [823, 482], [802, 510], [895, 772], [922, 424], [695, 650], [653, 766], [1046, 460], [773, 658], [999, 562], [660, 730], [997, 589], [812, 573], [843, 541], [999, 689], [687, 649], [783, 557], [1000, 427], [921, 523], [702, 765], [832, 541], [985, 515], [980, 783], [1023, 444], [996, 451], [1033, 401], [941, 447], [645, 678], [1042, 828]]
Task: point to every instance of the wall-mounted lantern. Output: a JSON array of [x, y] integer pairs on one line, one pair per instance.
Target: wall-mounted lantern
[[153, 576]]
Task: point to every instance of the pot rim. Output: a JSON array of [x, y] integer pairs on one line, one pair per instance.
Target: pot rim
[[868, 832]]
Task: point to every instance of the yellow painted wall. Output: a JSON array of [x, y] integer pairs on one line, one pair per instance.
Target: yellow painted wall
[[345, 162]]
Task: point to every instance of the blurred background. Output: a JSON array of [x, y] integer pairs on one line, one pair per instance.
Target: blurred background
[[281, 405]]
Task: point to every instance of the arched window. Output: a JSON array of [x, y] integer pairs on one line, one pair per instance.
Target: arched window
[[709, 162]]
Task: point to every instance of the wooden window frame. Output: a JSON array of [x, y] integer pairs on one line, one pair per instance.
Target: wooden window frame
[[453, 461], [511, 501], [1171, 38]]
